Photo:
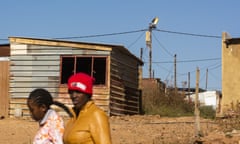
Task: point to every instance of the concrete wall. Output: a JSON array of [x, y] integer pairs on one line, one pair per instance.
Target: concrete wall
[[230, 74]]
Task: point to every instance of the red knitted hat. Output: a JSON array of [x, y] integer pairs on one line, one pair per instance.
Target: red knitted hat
[[81, 82]]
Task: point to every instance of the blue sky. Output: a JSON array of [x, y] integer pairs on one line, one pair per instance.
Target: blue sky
[[75, 18]]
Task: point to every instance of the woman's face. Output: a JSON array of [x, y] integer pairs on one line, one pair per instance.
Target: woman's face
[[78, 98], [37, 112]]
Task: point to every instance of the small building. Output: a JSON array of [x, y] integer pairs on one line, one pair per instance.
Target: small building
[[47, 63], [230, 74], [208, 98], [152, 90]]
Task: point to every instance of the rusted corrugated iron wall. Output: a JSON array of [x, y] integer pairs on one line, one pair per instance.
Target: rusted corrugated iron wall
[[36, 66], [125, 92], [33, 67]]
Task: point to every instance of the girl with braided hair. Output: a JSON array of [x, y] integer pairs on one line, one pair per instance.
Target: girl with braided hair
[[51, 125]]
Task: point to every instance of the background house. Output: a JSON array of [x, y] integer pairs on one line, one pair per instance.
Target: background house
[[208, 98], [230, 74], [45, 63], [152, 89]]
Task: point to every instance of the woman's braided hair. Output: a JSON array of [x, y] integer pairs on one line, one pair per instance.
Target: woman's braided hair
[[43, 97]]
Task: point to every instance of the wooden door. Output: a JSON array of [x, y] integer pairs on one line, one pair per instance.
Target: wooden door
[[4, 88]]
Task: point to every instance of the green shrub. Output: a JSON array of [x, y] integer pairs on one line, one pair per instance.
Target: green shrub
[[207, 112]]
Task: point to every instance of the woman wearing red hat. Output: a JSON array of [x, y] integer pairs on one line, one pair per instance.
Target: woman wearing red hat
[[89, 124]]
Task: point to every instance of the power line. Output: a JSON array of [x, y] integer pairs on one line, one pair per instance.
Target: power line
[[135, 31], [213, 75], [210, 59], [3, 39], [136, 40], [216, 67], [101, 35], [190, 34], [162, 46]]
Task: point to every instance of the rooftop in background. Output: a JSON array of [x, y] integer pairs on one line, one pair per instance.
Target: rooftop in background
[[4, 50]]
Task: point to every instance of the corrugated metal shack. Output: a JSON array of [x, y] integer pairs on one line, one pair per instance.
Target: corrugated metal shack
[[48, 64]]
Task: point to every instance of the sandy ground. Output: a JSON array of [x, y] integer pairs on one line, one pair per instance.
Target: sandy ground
[[133, 130]]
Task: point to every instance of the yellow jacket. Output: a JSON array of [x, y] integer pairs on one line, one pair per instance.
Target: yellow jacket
[[90, 127]]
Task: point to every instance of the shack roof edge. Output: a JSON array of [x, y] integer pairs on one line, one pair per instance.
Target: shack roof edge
[[58, 42]]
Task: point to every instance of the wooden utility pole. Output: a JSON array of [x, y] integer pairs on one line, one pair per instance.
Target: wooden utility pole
[[189, 86], [152, 25], [197, 112], [206, 79], [149, 45], [175, 72]]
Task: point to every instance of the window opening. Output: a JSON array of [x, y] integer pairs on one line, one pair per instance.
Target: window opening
[[94, 66]]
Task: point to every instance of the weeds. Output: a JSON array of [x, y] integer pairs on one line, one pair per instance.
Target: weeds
[[172, 104], [169, 104]]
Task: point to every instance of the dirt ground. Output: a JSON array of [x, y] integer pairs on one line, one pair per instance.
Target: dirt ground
[[134, 130]]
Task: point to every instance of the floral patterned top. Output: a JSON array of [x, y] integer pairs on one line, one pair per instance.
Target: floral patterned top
[[51, 129]]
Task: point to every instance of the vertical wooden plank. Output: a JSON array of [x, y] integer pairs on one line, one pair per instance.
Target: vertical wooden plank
[[4, 86]]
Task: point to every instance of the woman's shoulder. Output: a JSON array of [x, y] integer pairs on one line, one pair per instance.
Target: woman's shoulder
[[96, 110], [53, 115]]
